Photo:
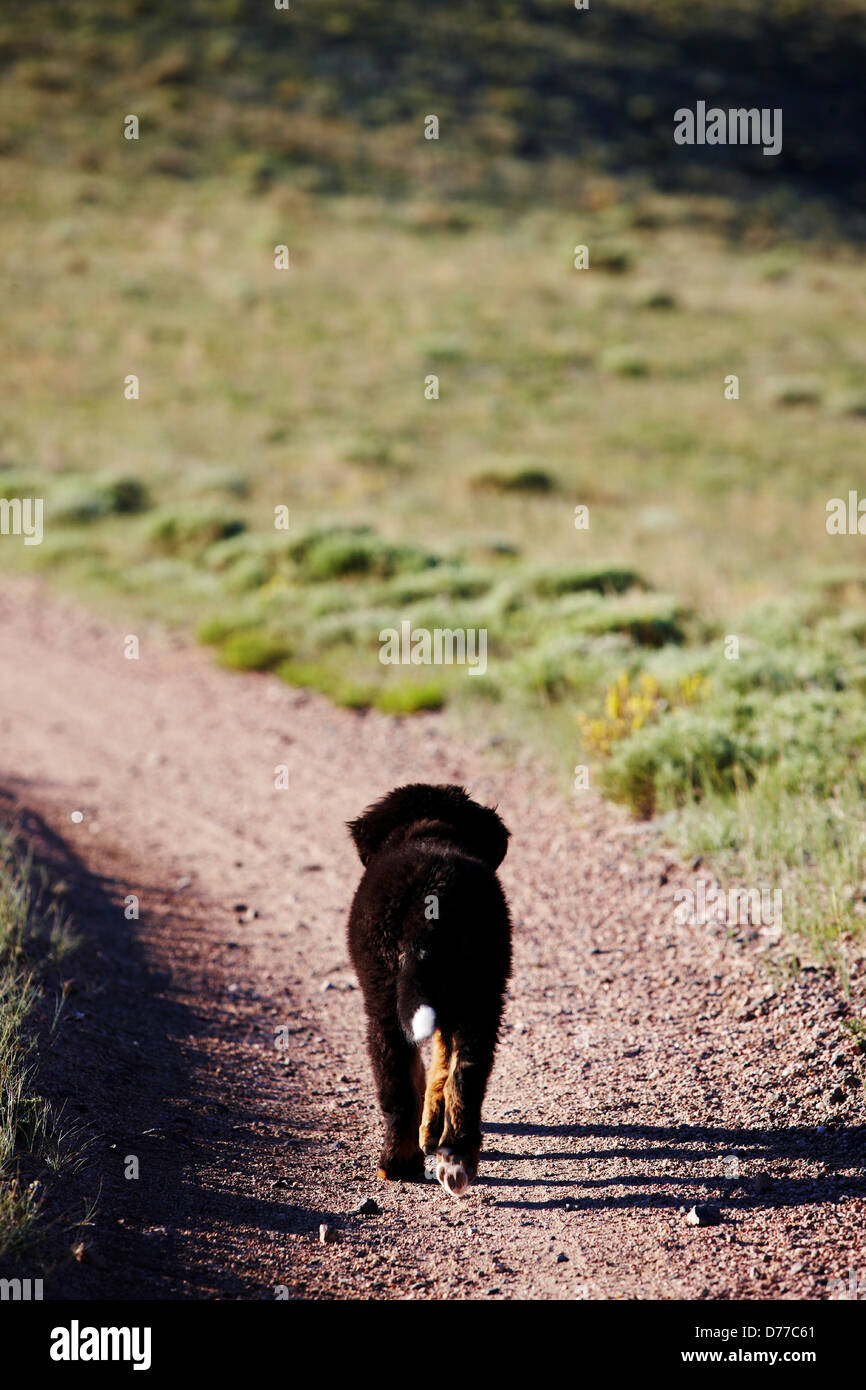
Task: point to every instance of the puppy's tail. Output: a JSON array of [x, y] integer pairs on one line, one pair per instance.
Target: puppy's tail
[[416, 1013]]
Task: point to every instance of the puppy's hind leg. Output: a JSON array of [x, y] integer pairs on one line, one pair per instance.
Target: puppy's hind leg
[[466, 1082], [400, 1081], [433, 1115]]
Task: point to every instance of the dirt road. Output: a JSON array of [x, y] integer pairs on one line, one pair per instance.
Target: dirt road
[[644, 1065]]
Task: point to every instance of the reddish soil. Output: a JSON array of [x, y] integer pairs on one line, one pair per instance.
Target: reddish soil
[[644, 1065]]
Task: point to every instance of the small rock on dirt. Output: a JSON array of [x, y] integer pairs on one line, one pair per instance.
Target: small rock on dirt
[[369, 1207], [328, 1235]]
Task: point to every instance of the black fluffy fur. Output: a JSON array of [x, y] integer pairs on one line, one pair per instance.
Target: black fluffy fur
[[421, 845]]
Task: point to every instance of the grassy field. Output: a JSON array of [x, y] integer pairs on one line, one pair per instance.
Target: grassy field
[[557, 388], [37, 1141]]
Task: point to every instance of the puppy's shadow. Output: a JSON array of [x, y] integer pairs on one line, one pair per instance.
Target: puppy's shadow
[[646, 1146]]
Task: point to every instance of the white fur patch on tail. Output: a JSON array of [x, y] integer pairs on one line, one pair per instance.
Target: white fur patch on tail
[[423, 1023]]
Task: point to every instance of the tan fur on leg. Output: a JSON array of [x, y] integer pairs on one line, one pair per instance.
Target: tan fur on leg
[[455, 1171], [433, 1115]]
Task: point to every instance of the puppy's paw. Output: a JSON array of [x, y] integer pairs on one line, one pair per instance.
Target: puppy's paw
[[430, 1165], [452, 1172], [400, 1167]]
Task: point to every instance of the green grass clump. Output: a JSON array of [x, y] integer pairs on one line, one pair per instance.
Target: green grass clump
[[249, 573], [410, 698], [614, 257], [444, 349], [522, 480], [652, 621], [791, 391], [20, 1210], [214, 630], [127, 495], [252, 649], [852, 403], [625, 361], [79, 505], [358, 551], [656, 297], [663, 765], [326, 680], [179, 531], [445, 581], [579, 578], [13, 483], [80, 501]]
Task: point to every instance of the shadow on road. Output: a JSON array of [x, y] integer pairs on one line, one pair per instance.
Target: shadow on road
[[836, 1150], [130, 1063]]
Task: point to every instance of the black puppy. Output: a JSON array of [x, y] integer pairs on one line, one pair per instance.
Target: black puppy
[[430, 939]]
